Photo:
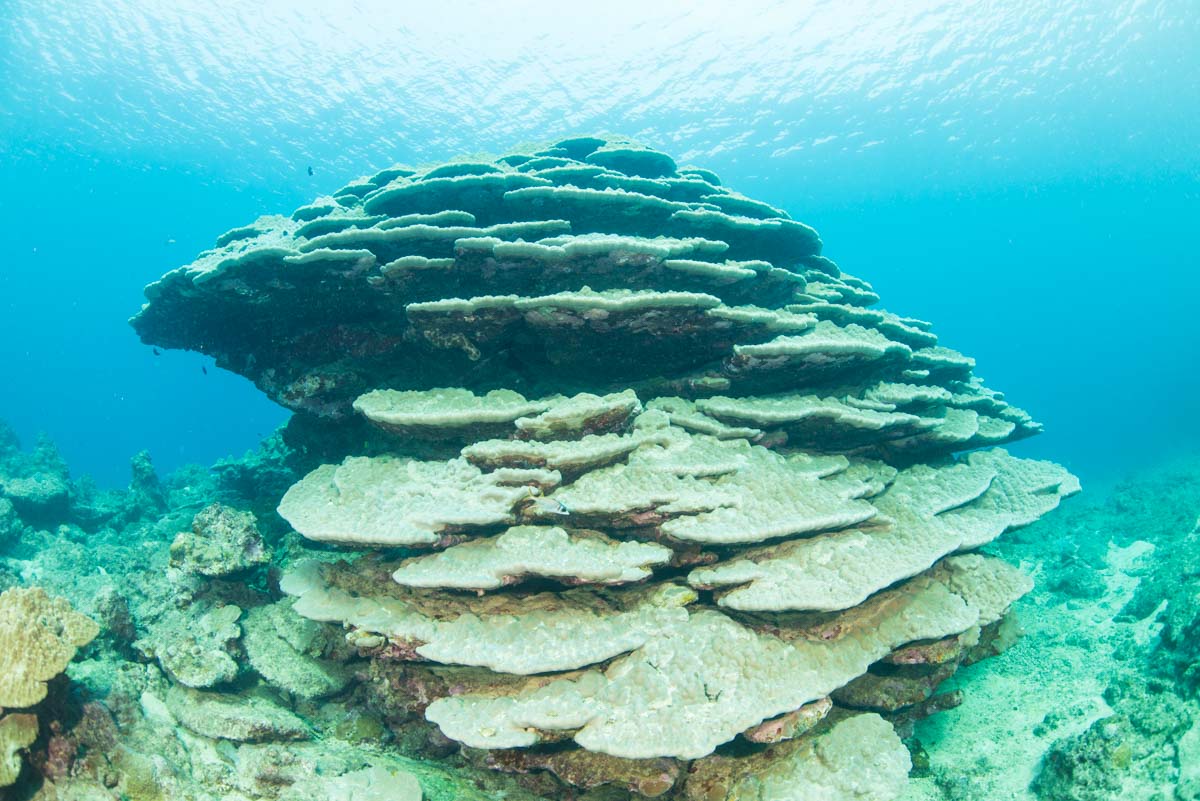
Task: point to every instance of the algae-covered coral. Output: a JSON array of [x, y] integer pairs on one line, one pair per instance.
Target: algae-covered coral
[[689, 480]]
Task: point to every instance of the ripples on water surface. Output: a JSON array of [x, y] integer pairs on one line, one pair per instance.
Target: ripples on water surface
[[1019, 173]]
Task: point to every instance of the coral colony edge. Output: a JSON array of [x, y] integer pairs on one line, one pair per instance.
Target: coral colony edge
[[601, 482]]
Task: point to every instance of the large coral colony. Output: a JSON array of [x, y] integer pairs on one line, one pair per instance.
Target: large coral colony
[[614, 478]]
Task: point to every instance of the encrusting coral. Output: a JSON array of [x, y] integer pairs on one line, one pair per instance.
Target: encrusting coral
[[660, 502]]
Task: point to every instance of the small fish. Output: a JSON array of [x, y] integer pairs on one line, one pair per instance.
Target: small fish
[[551, 506], [310, 169], [157, 352], [170, 241], [204, 369]]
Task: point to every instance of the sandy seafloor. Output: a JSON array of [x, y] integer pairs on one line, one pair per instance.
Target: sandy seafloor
[[1095, 700]]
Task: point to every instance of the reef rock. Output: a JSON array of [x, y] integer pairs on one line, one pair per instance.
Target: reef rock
[[645, 472], [222, 541], [11, 526], [289, 652], [368, 784], [196, 648], [237, 717], [36, 483]]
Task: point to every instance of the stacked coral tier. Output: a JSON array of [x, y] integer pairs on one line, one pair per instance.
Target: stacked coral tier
[[658, 500]]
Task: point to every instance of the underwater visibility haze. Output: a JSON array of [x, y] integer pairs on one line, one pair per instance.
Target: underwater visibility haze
[[676, 401]]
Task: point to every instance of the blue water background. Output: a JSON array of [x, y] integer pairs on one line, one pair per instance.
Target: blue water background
[[1026, 175]]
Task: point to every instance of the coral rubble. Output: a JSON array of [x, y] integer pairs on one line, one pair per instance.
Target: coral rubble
[[657, 499]]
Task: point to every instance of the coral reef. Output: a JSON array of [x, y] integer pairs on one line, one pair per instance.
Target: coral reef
[[602, 484], [1000, 726], [36, 490], [126, 726], [654, 498]]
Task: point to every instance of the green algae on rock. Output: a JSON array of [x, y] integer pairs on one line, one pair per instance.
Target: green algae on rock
[[700, 490]]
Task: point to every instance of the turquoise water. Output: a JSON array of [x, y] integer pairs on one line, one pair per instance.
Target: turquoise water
[[1024, 175], [778, 559]]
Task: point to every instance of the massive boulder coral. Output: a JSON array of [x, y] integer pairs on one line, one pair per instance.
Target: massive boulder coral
[[644, 474]]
